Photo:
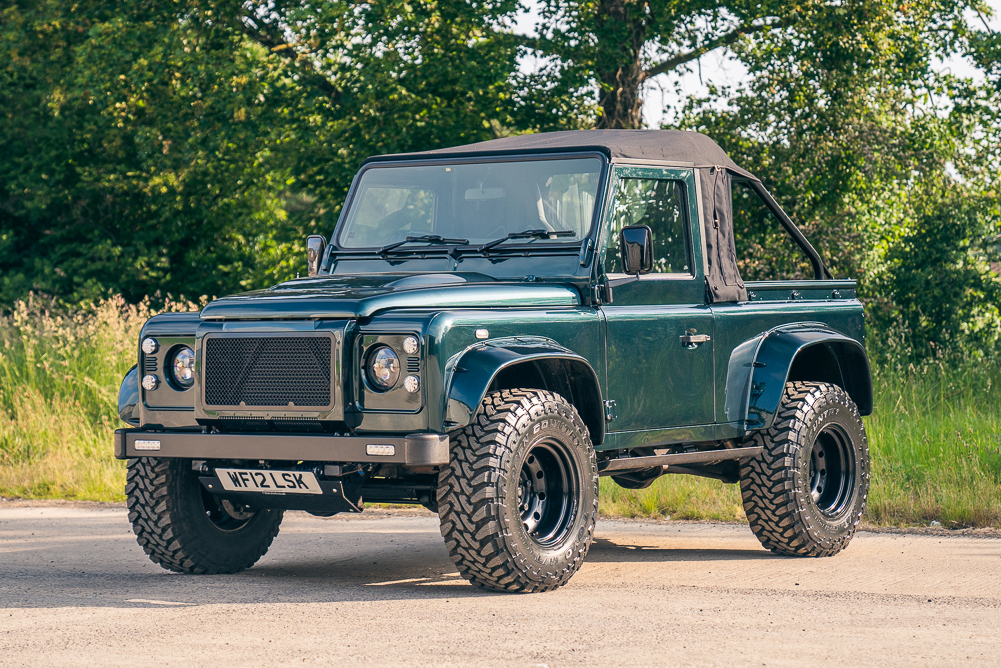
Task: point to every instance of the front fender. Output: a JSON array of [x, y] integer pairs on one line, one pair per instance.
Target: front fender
[[128, 397], [760, 368], [470, 373]]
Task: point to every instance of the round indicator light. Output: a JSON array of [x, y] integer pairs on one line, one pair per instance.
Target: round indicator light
[[412, 384], [150, 382], [150, 346], [411, 345]]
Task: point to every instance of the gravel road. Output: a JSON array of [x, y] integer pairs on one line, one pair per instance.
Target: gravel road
[[379, 590]]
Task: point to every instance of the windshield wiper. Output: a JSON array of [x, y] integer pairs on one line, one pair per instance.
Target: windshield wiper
[[527, 234], [427, 238]]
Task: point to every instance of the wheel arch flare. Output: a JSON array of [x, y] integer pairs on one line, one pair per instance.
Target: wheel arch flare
[[759, 369], [524, 362]]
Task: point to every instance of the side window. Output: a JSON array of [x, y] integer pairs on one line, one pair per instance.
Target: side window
[[765, 250], [660, 204]]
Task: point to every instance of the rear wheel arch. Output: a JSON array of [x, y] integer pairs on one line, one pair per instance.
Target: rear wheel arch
[[804, 352], [839, 362]]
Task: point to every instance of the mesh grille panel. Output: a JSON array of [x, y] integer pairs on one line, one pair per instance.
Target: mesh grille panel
[[267, 371]]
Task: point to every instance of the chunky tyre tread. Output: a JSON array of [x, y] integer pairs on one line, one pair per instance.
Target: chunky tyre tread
[[158, 521], [470, 497], [767, 481]]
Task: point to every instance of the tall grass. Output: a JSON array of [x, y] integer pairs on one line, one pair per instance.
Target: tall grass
[[59, 380], [936, 446], [935, 436], [935, 443]]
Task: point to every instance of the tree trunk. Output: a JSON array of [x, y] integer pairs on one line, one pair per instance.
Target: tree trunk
[[621, 32], [619, 98]]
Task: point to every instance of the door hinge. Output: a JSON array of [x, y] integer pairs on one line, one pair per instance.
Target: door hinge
[[602, 294], [610, 411]]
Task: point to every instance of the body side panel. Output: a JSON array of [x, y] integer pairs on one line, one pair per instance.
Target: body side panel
[[553, 333]]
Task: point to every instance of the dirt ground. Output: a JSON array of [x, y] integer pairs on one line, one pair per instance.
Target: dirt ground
[[379, 589]]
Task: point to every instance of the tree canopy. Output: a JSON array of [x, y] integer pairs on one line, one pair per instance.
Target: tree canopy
[[189, 146]]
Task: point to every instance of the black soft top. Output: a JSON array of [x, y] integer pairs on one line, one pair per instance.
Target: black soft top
[[672, 146], [713, 169]]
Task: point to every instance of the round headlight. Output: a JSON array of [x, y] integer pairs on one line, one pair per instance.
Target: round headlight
[[182, 367], [383, 368]]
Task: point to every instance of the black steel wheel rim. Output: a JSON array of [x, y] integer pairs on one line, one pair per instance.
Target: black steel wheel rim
[[549, 489], [832, 471], [225, 515]]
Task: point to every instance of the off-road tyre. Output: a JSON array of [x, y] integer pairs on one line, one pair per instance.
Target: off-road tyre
[[797, 502], [185, 529], [505, 541]]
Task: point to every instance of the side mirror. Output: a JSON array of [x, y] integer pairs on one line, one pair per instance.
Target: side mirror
[[315, 245], [636, 246]]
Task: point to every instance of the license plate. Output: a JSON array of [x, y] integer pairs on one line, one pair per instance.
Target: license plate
[[269, 482]]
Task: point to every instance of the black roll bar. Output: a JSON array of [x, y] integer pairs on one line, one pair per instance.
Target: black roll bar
[[820, 271]]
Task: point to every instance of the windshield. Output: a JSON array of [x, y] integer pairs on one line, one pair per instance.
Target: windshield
[[480, 202]]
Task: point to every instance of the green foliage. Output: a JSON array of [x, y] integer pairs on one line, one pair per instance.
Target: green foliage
[[936, 288], [616, 46], [189, 147], [135, 154], [887, 164]]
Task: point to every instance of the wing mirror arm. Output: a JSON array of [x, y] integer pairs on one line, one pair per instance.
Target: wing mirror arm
[[315, 245]]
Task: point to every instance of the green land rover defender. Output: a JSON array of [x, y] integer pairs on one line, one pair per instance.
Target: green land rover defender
[[489, 330]]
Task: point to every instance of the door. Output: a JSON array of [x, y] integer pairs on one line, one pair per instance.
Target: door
[[657, 379]]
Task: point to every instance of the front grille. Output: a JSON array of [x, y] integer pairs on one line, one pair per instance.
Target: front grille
[[274, 371]]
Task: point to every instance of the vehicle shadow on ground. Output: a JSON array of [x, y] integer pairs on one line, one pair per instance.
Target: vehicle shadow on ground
[[413, 572], [607, 551]]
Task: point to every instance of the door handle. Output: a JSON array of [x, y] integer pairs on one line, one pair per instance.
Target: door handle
[[692, 341]]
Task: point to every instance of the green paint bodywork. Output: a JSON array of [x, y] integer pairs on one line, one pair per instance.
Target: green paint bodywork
[[547, 323], [366, 296]]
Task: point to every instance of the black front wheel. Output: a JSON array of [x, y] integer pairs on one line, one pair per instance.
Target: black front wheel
[[519, 498], [806, 492], [185, 529]]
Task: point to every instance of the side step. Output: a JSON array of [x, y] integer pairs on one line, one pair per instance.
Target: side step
[[610, 466]]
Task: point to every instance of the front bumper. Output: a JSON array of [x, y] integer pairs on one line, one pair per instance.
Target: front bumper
[[410, 450]]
